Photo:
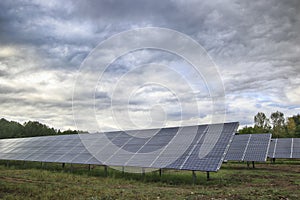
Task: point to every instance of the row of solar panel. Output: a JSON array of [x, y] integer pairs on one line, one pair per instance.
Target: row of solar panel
[[249, 147], [284, 148], [199, 148], [257, 147], [172, 149]]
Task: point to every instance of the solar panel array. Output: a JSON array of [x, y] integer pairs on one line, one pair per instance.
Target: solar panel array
[[63, 148], [249, 147], [199, 148], [284, 148]]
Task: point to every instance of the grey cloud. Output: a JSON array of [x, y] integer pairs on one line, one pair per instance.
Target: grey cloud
[[15, 90], [3, 73], [40, 105], [131, 11], [255, 44]]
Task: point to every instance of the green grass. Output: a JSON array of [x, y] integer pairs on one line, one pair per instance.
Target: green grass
[[234, 181]]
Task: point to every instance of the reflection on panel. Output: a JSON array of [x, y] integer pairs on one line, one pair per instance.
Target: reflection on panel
[[189, 148]]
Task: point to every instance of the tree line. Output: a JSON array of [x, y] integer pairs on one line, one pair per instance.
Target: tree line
[[277, 124], [12, 129]]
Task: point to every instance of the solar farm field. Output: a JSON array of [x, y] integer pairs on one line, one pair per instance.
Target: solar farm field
[[234, 181]]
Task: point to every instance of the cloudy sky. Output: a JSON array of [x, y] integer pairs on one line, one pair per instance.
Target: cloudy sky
[[255, 46]]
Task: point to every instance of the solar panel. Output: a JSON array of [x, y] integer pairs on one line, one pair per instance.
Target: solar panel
[[237, 148], [188, 148], [285, 148], [258, 147], [296, 147], [249, 147], [194, 158]]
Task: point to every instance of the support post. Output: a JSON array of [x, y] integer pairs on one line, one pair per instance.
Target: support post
[[253, 164], [143, 173], [160, 172], [207, 176], [63, 165], [105, 170], [194, 177], [89, 167], [71, 167]]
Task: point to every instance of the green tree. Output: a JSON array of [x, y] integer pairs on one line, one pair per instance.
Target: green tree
[[247, 130], [261, 123], [10, 129], [291, 126], [296, 119], [69, 132], [34, 128], [278, 122]]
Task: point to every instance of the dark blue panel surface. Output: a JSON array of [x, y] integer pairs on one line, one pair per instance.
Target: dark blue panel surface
[[132, 148]]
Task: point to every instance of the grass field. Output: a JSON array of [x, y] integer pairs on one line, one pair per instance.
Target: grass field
[[234, 181]]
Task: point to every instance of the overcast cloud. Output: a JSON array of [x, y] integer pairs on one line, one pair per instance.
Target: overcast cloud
[[255, 44]]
